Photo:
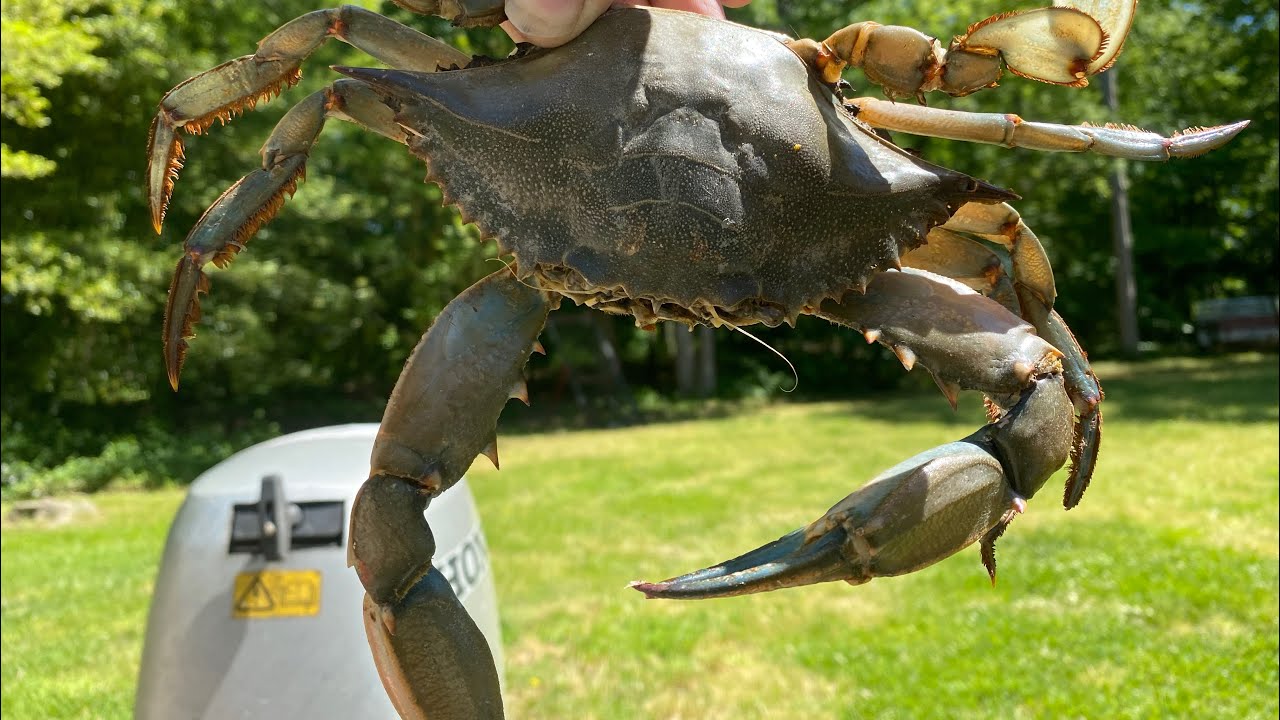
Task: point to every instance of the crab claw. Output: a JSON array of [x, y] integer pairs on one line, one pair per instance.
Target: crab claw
[[181, 313], [792, 560], [912, 515]]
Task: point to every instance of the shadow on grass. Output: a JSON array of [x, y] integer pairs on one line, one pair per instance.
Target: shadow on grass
[[1229, 388], [1236, 389], [1243, 389], [603, 413]]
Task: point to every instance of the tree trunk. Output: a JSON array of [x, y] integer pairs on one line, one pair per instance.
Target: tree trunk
[[706, 361], [1122, 236], [685, 358]]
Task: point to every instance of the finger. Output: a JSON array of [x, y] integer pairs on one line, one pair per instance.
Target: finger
[[549, 23], [710, 8]]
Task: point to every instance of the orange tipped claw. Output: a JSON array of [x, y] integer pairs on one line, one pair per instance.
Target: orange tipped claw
[[164, 160], [216, 95], [181, 313], [221, 233]]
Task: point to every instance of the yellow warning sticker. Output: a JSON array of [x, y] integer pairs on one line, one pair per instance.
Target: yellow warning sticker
[[276, 593]]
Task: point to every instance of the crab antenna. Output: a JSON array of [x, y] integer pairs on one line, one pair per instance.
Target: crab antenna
[[795, 375]]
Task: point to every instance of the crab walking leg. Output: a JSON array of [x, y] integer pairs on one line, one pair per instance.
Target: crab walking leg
[[1001, 224], [940, 501], [254, 199], [965, 260], [1057, 45], [228, 89], [433, 660], [1033, 284], [463, 13], [953, 251], [1009, 130]]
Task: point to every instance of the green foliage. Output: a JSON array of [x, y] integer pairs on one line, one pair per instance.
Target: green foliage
[[42, 42], [21, 164], [313, 322], [148, 457]]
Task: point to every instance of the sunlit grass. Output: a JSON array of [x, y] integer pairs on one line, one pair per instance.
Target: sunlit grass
[[74, 605], [1157, 597]]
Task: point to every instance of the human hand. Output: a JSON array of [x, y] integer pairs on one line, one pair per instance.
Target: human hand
[[549, 23]]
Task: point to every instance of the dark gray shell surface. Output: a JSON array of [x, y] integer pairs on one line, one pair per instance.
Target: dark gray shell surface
[[673, 166]]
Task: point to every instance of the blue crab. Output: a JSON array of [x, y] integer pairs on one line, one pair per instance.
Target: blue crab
[[679, 168]]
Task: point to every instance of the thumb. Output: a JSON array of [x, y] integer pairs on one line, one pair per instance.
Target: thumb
[[548, 23]]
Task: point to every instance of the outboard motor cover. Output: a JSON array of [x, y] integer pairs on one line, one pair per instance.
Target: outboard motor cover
[[255, 612]]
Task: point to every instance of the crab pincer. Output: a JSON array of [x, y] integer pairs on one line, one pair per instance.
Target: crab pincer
[[932, 505], [912, 515]]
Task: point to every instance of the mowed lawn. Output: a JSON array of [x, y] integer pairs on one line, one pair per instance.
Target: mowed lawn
[[1157, 597]]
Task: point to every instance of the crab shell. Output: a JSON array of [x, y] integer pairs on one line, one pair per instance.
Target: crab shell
[[673, 167]]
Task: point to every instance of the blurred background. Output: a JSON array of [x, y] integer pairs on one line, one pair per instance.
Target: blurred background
[[313, 323]]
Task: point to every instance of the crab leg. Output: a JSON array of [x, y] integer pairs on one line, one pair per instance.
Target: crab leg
[[1062, 45], [1121, 141], [1033, 283], [253, 200], [940, 501], [1115, 17], [228, 89], [432, 658], [964, 260], [1001, 224], [952, 252], [463, 13]]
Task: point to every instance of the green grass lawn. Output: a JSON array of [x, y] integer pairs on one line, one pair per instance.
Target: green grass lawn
[[1157, 597]]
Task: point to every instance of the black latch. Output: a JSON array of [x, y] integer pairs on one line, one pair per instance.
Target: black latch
[[272, 526]]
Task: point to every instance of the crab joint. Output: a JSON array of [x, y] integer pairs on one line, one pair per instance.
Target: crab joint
[[219, 94]]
